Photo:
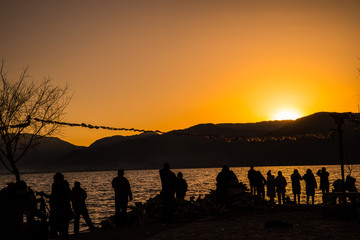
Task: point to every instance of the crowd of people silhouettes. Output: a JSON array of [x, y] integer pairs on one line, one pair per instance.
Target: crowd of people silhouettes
[[278, 185], [66, 204]]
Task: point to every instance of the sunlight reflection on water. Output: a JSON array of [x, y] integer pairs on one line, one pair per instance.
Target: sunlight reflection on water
[[146, 184]]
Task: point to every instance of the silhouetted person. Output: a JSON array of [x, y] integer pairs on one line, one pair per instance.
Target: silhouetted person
[[260, 182], [270, 186], [78, 197], [14, 202], [310, 186], [324, 181], [280, 183], [32, 212], [339, 187], [223, 180], [251, 176], [296, 187], [60, 208], [350, 186], [39, 230], [181, 186], [122, 195], [168, 184]]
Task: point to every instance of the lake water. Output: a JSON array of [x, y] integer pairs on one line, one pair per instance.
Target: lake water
[[146, 184]]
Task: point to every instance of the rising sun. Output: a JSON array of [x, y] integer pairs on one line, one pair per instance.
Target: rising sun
[[286, 115]]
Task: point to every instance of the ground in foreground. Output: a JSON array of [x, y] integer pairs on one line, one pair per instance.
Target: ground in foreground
[[286, 222]]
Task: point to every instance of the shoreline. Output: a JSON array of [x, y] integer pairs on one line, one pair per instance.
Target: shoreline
[[135, 169], [278, 222]]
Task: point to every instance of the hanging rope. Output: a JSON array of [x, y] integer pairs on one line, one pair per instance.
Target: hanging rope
[[84, 125], [22, 125]]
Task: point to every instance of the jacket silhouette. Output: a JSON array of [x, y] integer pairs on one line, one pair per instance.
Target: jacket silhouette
[[60, 207], [310, 186], [280, 184], [270, 190], [296, 187], [181, 186], [223, 180], [167, 194], [122, 193], [78, 197]]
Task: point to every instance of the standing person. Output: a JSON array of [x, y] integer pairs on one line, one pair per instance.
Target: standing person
[[260, 182], [296, 187], [168, 184], [280, 183], [223, 180], [350, 184], [15, 201], [270, 186], [78, 196], [251, 176], [123, 195], [324, 181], [310, 186], [339, 187], [60, 208], [181, 186]]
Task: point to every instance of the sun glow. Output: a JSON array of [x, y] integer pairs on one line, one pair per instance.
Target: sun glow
[[287, 115]]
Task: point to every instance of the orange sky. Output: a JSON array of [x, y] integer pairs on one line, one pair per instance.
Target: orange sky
[[173, 64]]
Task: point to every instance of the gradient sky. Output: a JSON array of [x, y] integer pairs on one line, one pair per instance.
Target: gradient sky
[[173, 64]]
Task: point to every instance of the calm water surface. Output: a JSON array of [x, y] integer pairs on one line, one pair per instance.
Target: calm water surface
[[146, 184]]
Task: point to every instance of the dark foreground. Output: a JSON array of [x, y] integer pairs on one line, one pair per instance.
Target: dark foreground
[[281, 222]]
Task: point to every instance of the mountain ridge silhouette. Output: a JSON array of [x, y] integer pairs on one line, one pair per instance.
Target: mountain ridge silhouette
[[196, 147]]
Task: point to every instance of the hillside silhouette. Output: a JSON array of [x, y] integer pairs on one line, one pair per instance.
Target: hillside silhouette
[[203, 145]]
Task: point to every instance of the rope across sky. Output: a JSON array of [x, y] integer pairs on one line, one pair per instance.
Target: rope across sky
[[97, 127]]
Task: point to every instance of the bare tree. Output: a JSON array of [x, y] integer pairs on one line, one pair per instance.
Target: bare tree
[[26, 108]]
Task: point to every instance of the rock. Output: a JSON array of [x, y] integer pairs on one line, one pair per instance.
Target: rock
[[239, 199]]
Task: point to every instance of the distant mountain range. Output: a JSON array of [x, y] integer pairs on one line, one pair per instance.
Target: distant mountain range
[[203, 145]]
